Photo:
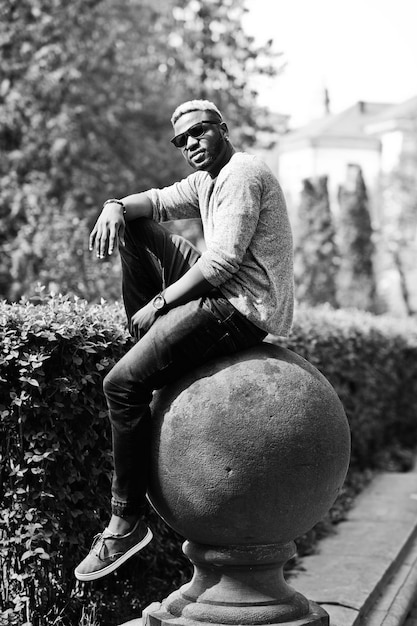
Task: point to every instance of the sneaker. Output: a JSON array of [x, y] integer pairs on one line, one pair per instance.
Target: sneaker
[[109, 551]]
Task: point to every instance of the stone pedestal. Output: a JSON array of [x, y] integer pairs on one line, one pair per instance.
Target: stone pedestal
[[249, 452]]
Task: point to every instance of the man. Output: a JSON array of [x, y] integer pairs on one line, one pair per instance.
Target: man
[[185, 308]]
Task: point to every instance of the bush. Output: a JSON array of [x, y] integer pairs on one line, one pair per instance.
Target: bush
[[55, 444], [55, 463], [371, 361]]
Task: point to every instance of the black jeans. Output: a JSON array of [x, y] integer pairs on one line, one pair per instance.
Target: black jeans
[[179, 340]]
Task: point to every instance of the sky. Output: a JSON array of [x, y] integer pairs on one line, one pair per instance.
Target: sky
[[357, 49]]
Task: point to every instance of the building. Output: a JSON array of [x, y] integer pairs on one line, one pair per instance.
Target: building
[[396, 129], [369, 134], [373, 136]]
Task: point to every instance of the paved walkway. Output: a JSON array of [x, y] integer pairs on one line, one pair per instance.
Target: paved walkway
[[366, 574]]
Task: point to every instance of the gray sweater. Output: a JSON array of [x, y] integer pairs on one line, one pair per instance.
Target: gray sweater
[[249, 249]]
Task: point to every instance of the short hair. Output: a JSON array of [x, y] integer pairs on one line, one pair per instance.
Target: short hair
[[195, 105]]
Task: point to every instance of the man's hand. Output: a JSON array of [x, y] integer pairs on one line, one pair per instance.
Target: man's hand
[[108, 230], [142, 320]]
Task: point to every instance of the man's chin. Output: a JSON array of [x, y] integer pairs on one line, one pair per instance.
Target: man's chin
[[200, 161], [200, 167]]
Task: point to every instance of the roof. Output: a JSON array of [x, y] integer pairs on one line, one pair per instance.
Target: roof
[[401, 116], [348, 124], [404, 110]]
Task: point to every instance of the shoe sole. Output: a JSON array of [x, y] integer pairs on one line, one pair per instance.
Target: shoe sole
[[113, 566]]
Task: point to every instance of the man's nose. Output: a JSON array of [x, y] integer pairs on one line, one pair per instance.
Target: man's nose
[[191, 141]]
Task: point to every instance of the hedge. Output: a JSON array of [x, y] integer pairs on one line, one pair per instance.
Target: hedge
[[55, 463], [371, 361]]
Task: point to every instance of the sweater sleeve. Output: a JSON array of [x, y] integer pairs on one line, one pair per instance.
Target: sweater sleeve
[[236, 210], [175, 202]]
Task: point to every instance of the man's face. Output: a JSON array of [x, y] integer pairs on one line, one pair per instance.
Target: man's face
[[207, 151]]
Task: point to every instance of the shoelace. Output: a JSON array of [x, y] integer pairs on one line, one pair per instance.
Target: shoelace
[[100, 539], [100, 536]]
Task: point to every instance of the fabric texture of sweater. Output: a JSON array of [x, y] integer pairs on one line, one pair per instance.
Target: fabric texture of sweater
[[249, 246]]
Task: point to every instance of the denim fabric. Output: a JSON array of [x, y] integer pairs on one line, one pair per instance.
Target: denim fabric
[[179, 340]]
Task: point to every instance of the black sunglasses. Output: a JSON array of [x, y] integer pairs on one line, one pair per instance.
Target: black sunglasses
[[196, 131]]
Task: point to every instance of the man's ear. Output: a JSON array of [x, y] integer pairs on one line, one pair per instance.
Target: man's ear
[[225, 130]]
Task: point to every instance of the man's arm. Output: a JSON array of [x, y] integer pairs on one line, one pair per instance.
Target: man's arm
[[189, 287], [110, 225], [137, 205], [177, 201]]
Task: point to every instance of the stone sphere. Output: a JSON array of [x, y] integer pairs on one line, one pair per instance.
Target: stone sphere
[[251, 448]]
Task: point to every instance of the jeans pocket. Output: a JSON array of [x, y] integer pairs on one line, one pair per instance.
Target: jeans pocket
[[233, 331], [220, 343], [245, 333]]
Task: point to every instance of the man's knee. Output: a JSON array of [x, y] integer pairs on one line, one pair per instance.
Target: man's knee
[[112, 384], [141, 228], [144, 239], [120, 388]]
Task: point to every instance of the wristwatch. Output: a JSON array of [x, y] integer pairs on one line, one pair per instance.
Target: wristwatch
[[159, 303]]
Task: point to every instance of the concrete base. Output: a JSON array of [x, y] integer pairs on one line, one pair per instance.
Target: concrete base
[[234, 586], [377, 548], [156, 615], [261, 465]]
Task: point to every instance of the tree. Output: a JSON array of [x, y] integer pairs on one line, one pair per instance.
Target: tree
[[399, 228], [87, 91], [357, 282], [316, 256]]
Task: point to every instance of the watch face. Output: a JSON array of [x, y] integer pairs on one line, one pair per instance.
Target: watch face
[[159, 302]]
